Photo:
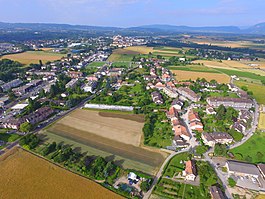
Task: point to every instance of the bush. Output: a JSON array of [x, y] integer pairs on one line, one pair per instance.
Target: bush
[[231, 182]]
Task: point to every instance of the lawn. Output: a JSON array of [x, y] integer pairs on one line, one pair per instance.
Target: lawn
[[257, 89], [262, 121], [252, 150], [33, 57], [120, 57], [123, 64], [24, 175], [176, 164]]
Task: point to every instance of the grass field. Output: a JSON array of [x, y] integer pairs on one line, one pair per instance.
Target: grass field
[[140, 49], [33, 57], [186, 75], [8, 137], [262, 121], [24, 175], [113, 133], [97, 64], [257, 89], [250, 149]]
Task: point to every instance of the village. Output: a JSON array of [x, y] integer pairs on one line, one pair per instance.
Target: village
[[49, 91]]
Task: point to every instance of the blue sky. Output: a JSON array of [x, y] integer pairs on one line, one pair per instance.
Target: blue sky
[[125, 13]]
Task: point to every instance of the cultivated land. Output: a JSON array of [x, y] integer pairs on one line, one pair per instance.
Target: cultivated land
[[257, 89], [107, 133], [224, 64], [33, 57], [262, 121], [252, 150], [24, 175], [187, 75]]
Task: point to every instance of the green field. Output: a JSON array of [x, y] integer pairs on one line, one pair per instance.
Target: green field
[[120, 57], [194, 68], [252, 150], [257, 89], [97, 64], [123, 64], [8, 137], [241, 74]]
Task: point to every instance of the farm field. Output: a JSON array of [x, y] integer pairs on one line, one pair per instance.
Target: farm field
[[108, 133], [97, 64], [194, 68], [257, 89], [33, 57], [224, 64], [186, 75], [252, 150], [24, 175], [262, 121]]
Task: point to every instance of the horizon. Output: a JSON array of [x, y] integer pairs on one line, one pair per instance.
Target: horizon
[[131, 13]]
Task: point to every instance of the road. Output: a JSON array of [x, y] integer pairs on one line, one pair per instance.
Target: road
[[160, 172]]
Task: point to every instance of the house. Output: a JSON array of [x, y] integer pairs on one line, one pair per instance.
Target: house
[[190, 171], [180, 129], [195, 121], [160, 85], [240, 126], [172, 113], [23, 89], [242, 169], [133, 178], [237, 103], [180, 142], [90, 86], [210, 110], [3, 100], [75, 74], [232, 87], [177, 104], [211, 139], [216, 193], [189, 94], [157, 98]]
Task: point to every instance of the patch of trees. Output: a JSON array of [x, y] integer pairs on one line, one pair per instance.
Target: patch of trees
[[30, 141], [8, 68], [220, 150]]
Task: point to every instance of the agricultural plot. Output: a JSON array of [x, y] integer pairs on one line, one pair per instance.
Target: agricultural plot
[[257, 89], [252, 150], [108, 133], [97, 64], [187, 75], [224, 64], [24, 175], [194, 68], [33, 57]]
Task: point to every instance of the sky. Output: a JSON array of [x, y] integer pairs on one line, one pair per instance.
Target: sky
[[128, 13]]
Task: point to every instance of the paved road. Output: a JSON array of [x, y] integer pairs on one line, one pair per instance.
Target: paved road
[[160, 172]]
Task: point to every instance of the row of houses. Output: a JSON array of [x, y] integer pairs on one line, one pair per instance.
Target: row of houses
[[237, 103], [12, 84], [34, 118], [189, 94]]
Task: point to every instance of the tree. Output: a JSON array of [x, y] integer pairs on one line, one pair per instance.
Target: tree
[[201, 149], [231, 182], [220, 112], [220, 150], [145, 185], [26, 127]]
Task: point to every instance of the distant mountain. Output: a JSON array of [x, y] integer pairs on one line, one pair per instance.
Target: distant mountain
[[257, 29], [157, 28], [219, 29]]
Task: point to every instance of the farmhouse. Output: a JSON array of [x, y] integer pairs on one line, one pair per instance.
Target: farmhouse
[[211, 139], [188, 93], [242, 169], [157, 98], [237, 103], [190, 171]]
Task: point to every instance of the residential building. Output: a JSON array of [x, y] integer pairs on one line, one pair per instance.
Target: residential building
[[157, 98], [172, 113], [211, 139], [90, 86], [72, 83], [170, 92], [210, 110], [12, 84], [189, 94], [75, 74], [195, 121], [177, 104], [216, 193], [261, 168], [190, 171], [237, 103]]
